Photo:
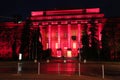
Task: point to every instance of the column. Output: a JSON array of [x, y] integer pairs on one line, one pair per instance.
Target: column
[[69, 52], [69, 36], [59, 46], [79, 35], [49, 36], [79, 40]]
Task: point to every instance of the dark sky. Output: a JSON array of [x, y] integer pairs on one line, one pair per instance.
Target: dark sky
[[8, 8]]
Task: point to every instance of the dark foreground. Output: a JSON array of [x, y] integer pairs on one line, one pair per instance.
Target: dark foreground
[[59, 70], [46, 77]]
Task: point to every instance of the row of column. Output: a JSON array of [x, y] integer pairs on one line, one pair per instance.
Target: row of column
[[100, 26], [59, 33]]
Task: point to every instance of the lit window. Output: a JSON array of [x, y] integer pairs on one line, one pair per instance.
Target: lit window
[[69, 53], [56, 45], [74, 45], [47, 45]]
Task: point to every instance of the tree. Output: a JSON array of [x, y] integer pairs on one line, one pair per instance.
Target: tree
[[25, 37], [85, 43], [105, 55], [36, 44], [14, 45], [94, 41]]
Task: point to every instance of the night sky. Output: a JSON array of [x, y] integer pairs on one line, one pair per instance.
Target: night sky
[[9, 8]]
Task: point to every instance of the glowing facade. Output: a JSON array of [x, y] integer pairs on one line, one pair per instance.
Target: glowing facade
[[10, 39], [62, 30]]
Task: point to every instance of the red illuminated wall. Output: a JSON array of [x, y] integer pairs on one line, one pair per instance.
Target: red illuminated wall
[[62, 29], [10, 33]]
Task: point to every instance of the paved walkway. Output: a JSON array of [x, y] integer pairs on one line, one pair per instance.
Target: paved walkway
[[42, 76], [46, 77]]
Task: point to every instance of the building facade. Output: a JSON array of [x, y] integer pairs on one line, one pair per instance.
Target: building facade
[[63, 33], [62, 30]]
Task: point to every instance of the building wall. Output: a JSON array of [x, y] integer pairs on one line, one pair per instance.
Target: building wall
[[10, 39], [62, 30]]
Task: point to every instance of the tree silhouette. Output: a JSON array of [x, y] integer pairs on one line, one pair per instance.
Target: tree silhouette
[[94, 41], [105, 55], [85, 42], [110, 44], [36, 44], [14, 40], [25, 37], [14, 53]]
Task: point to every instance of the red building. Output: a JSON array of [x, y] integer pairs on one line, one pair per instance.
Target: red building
[[62, 30], [10, 34]]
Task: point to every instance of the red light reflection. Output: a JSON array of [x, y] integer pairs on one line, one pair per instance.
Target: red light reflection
[[59, 68]]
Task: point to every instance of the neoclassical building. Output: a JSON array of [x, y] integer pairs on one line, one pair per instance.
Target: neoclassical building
[[65, 33], [62, 30]]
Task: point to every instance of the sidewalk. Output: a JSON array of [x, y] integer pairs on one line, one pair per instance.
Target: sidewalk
[[46, 77]]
